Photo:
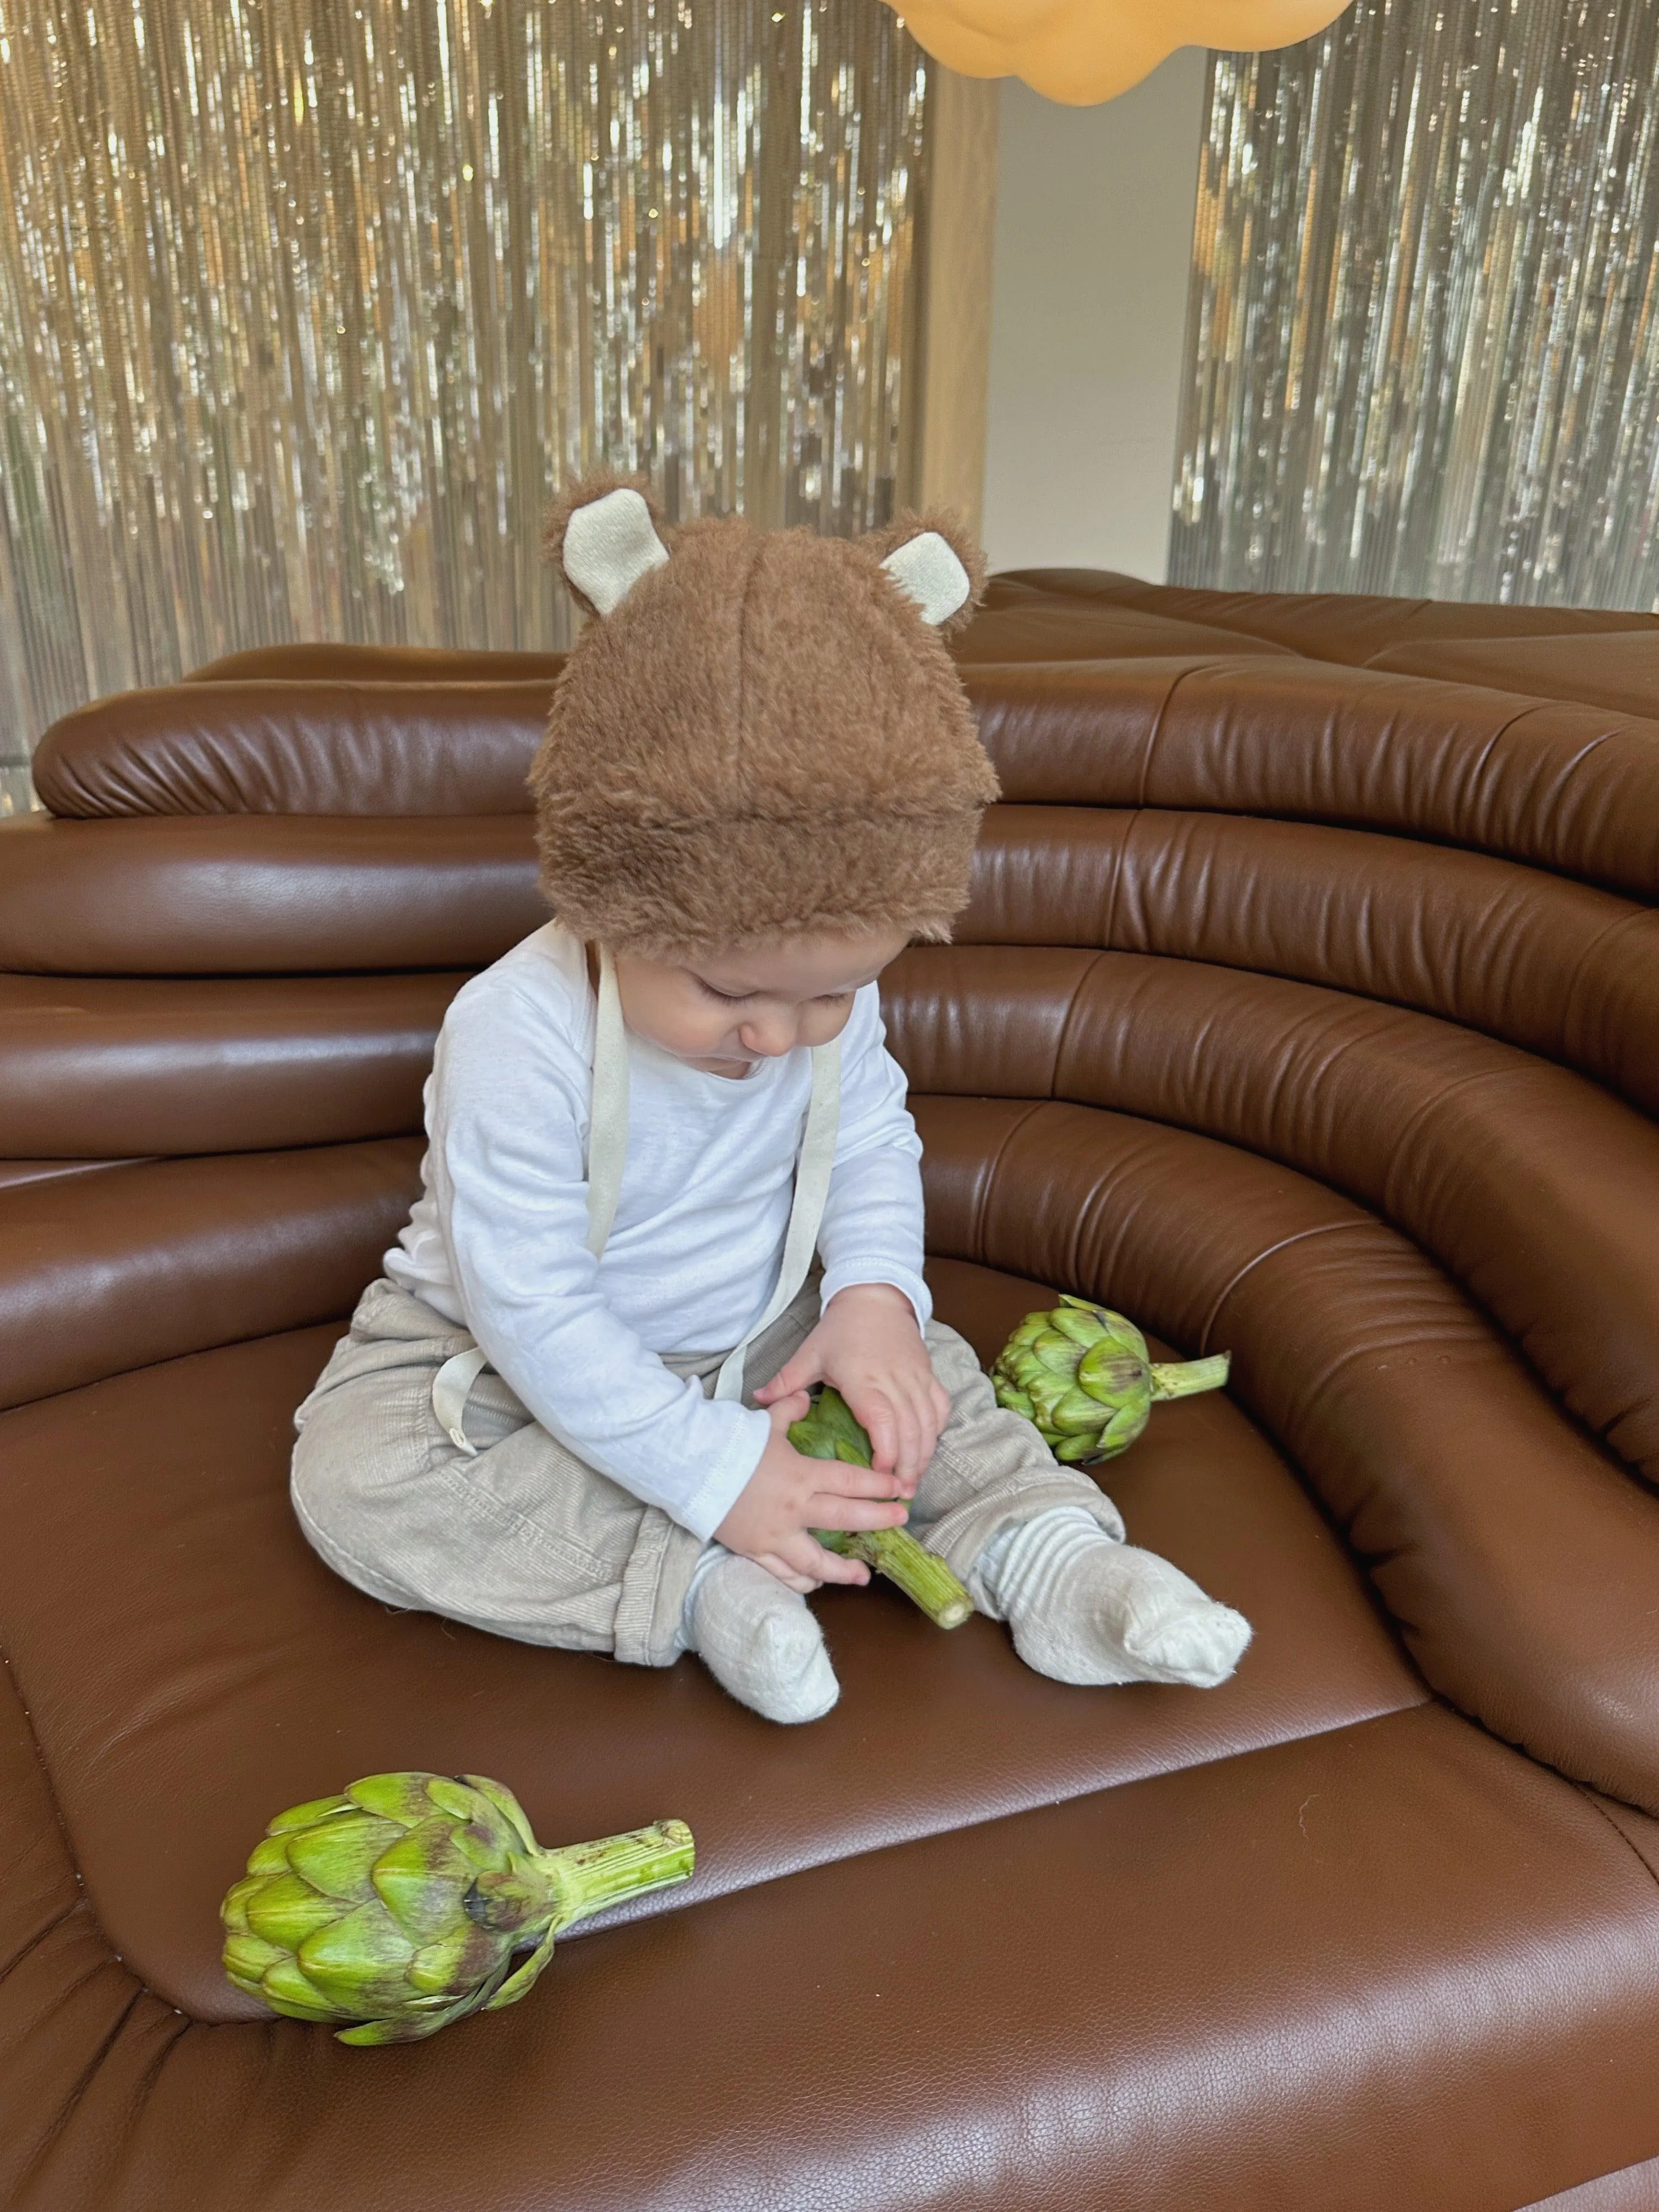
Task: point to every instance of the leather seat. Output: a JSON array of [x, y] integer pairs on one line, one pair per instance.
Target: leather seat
[[1301, 1009]]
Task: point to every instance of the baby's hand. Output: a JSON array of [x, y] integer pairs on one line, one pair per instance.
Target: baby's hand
[[869, 1346], [789, 1495]]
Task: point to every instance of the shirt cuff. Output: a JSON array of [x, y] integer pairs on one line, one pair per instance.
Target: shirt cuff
[[845, 1275], [721, 1489]]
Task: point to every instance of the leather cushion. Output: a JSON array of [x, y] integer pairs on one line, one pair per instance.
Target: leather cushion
[[1564, 787], [1535, 1187], [1059, 630], [232, 1674], [335, 662], [1551, 965], [1621, 671], [149, 1260], [321, 746], [1389, 1966], [267, 895], [92, 1065], [1517, 1558], [1340, 626]]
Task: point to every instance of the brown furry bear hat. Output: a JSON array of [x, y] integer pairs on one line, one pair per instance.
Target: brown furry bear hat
[[761, 734]]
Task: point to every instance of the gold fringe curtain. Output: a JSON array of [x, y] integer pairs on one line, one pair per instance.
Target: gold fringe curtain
[[304, 311], [1424, 326]]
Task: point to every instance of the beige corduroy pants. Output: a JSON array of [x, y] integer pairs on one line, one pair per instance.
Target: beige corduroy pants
[[524, 1539]]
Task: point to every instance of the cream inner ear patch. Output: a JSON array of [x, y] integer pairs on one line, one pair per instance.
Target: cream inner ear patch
[[927, 569], [609, 544]]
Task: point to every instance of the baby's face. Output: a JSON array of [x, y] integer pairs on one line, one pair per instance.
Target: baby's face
[[726, 1013]]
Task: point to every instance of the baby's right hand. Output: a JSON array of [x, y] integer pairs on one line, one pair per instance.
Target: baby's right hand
[[789, 1495]]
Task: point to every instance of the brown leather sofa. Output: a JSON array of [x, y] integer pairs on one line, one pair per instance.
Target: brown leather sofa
[[1305, 1007]]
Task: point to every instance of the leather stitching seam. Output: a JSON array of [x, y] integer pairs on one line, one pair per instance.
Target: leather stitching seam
[[1651, 1873], [44, 1770], [1156, 730], [1064, 1038], [58, 2125], [1323, 1229], [993, 1168]]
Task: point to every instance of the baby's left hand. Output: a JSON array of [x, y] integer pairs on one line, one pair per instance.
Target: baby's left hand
[[869, 1346]]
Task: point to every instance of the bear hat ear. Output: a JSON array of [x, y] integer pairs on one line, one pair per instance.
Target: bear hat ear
[[925, 568], [603, 537], [934, 561]]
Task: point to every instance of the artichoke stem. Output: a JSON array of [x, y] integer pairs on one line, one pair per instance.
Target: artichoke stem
[[587, 1877], [920, 1573], [1186, 1378]]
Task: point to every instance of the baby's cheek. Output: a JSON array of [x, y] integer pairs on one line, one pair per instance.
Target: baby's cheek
[[822, 1024]]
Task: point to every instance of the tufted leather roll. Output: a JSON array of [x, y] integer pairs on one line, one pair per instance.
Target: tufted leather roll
[[1303, 1010], [1338, 626], [248, 895], [1620, 672], [1518, 1560], [1048, 631], [1541, 962], [1532, 1186], [322, 746], [1564, 787], [101, 1273], [94, 1065], [333, 662]]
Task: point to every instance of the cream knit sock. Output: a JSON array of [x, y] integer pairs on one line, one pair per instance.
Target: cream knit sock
[[757, 1638], [1084, 1608]]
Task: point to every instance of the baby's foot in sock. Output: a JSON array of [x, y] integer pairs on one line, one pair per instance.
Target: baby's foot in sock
[[758, 1639], [1083, 1609]]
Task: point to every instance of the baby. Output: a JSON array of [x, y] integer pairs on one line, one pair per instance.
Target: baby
[[672, 1180]]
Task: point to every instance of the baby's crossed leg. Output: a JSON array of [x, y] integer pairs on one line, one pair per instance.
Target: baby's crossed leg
[[520, 1538]]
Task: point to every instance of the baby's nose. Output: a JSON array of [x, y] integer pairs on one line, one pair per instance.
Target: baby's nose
[[770, 1035]]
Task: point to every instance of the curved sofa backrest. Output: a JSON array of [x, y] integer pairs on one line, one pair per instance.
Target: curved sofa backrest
[[1304, 1010]]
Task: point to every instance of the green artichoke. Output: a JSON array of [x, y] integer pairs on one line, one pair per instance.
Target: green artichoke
[[1082, 1375], [831, 1430], [401, 1904]]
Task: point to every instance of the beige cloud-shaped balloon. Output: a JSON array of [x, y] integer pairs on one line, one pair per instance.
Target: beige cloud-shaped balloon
[[1083, 51]]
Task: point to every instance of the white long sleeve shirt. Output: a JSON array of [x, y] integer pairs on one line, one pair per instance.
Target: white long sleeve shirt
[[496, 1241]]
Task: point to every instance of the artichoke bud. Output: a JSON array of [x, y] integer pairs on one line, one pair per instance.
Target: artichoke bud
[[1082, 1376], [398, 1906], [830, 1429]]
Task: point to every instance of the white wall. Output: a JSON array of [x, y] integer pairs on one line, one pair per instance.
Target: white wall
[[1094, 231]]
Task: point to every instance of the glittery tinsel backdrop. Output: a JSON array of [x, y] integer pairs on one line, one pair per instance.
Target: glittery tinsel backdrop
[[1423, 330], [304, 310]]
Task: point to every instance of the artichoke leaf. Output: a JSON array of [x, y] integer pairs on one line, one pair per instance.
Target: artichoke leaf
[[404, 2029], [459, 1800], [251, 1956], [518, 1982], [1080, 1325], [400, 1797], [1109, 1371], [456, 1961], [233, 1911], [288, 1989], [423, 1881], [269, 1855], [1076, 1411], [1077, 1451], [307, 1816], [508, 1898], [284, 1911], [359, 1958], [338, 1857], [506, 1804]]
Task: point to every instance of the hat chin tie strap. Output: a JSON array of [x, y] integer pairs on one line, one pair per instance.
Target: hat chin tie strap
[[607, 1150], [607, 1153]]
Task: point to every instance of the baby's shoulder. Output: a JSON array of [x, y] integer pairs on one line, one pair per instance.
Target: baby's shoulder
[[535, 999]]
